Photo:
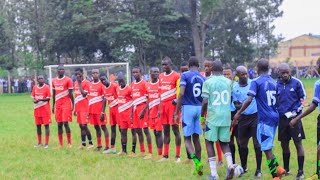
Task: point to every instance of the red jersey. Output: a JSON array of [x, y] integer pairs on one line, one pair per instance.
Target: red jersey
[[41, 108], [139, 92], [80, 102], [168, 85], [96, 93], [153, 98], [62, 86], [124, 98], [110, 93]]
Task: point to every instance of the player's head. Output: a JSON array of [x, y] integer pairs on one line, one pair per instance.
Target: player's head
[[40, 80], [227, 72], [184, 66], [60, 70], [242, 73], [217, 67], [284, 72], [318, 64], [104, 79], [79, 72], [263, 66], [136, 72], [95, 74], [121, 79], [208, 64], [154, 73], [193, 62], [166, 64]]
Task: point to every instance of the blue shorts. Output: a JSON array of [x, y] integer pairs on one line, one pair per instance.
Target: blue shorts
[[190, 120], [265, 136]]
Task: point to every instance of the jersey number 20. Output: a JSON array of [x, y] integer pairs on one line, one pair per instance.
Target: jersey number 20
[[221, 97]]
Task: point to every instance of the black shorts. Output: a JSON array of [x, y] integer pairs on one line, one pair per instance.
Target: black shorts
[[285, 132], [235, 128], [318, 130], [247, 127]]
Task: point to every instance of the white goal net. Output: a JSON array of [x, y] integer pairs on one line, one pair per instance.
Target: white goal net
[[110, 69]]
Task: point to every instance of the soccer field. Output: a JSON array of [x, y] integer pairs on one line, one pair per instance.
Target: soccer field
[[19, 160]]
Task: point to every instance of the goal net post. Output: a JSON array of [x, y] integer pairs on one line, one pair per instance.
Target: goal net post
[[110, 69]]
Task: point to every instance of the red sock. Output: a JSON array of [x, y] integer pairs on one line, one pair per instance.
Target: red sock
[[39, 139], [166, 150], [69, 138], [60, 139], [47, 140], [219, 151], [99, 141], [142, 148], [112, 146], [178, 151], [150, 148], [159, 151], [106, 139]]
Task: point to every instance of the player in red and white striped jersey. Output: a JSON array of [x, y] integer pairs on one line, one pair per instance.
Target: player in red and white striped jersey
[[81, 89], [63, 103], [42, 115]]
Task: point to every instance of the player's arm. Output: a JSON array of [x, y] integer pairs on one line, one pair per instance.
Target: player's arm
[[310, 109], [53, 99], [44, 99], [243, 108], [204, 109], [82, 91], [179, 103], [104, 102], [142, 113], [71, 97]]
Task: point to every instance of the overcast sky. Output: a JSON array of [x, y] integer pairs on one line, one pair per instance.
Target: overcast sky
[[299, 17]]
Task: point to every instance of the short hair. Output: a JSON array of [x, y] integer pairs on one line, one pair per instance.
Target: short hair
[[263, 65], [217, 66], [208, 59], [103, 74], [184, 63], [137, 67], [79, 69], [228, 68], [193, 61], [166, 58], [154, 67]]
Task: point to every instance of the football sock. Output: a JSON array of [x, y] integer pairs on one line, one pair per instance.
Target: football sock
[[133, 147], [178, 148], [258, 158], [124, 147], [60, 137], [273, 164], [300, 162], [106, 140], [286, 159], [39, 139], [219, 151], [228, 156], [90, 138], [113, 142], [47, 140], [243, 157], [233, 151], [318, 168], [69, 138], [166, 150], [213, 165], [99, 141], [142, 148], [159, 151], [150, 148], [195, 159], [83, 139]]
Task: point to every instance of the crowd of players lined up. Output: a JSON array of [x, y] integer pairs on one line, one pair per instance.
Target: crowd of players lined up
[[202, 100]]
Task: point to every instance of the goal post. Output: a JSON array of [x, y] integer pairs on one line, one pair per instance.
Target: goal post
[[110, 69]]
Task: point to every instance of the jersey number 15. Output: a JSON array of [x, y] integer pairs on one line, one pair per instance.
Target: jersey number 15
[[271, 98]]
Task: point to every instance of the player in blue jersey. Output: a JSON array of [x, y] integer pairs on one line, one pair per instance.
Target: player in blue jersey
[[247, 125], [264, 90], [216, 94], [313, 106], [290, 95], [190, 101]]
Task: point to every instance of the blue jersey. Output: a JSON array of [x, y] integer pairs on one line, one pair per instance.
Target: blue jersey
[[263, 89], [193, 82], [316, 96], [239, 93]]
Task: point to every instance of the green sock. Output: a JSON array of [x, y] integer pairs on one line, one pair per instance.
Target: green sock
[[195, 160], [273, 164], [318, 168]]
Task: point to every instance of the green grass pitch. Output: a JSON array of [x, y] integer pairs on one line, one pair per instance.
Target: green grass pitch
[[19, 160]]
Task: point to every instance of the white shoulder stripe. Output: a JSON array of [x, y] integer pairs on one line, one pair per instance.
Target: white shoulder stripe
[[304, 91]]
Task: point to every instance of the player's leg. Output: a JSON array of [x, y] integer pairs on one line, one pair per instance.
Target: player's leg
[[112, 150], [297, 134], [223, 133], [243, 136], [286, 155], [60, 133], [89, 136], [176, 132], [47, 132], [98, 133], [68, 132], [212, 160], [284, 137], [256, 145], [123, 141], [39, 135], [106, 137], [232, 137], [148, 138], [166, 140], [141, 142], [134, 142], [83, 136]]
